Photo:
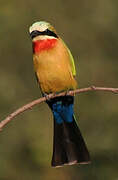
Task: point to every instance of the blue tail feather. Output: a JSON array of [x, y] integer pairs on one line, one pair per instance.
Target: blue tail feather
[[62, 112]]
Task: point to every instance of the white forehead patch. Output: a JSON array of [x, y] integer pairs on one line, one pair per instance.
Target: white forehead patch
[[39, 26]]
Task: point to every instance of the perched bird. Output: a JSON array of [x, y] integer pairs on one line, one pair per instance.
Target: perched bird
[[55, 71]]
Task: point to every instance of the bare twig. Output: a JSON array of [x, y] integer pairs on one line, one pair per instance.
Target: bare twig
[[50, 96]]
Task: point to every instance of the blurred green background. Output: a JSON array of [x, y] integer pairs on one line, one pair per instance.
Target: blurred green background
[[90, 29]]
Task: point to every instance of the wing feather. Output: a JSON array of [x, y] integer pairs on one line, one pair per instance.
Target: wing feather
[[71, 60]]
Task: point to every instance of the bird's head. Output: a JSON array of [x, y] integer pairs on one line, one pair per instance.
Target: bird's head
[[42, 30], [44, 36]]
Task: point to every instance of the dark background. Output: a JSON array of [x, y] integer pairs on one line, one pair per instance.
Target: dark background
[[90, 29]]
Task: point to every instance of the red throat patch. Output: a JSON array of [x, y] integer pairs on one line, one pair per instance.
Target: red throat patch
[[41, 45]]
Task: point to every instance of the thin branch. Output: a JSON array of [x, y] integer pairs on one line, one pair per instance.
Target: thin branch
[[50, 96]]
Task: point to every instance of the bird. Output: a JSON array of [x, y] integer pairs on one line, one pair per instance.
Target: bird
[[55, 72]]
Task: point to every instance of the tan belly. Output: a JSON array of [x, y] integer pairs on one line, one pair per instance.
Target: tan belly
[[56, 81]]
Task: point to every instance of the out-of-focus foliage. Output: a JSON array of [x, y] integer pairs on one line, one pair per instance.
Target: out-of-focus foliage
[[90, 29]]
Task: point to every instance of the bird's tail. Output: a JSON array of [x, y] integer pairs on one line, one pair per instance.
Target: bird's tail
[[68, 144]]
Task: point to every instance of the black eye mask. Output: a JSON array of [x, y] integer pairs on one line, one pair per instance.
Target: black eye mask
[[47, 32]]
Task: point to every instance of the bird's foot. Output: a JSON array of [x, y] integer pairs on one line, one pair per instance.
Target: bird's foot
[[69, 93], [47, 96]]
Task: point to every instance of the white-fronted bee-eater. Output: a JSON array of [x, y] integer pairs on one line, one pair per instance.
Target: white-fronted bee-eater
[[55, 71]]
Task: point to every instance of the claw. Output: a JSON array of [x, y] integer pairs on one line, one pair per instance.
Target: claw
[[47, 96]]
